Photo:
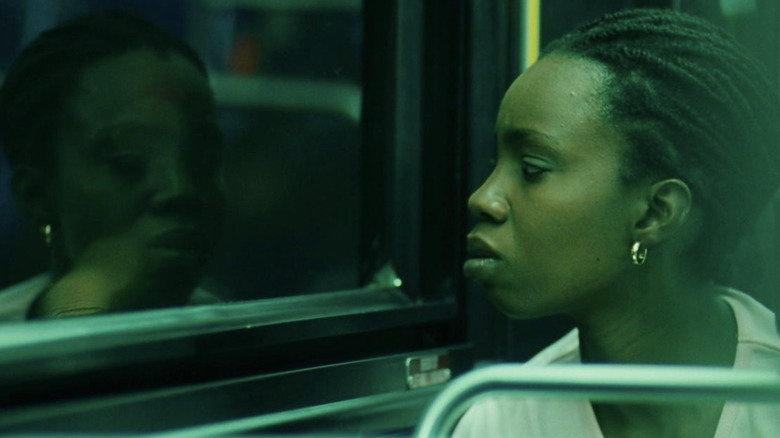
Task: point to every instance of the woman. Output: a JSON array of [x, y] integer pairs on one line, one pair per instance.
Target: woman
[[111, 130], [631, 157]]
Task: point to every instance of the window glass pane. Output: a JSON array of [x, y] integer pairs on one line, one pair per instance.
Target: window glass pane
[[287, 79], [293, 206], [287, 75]]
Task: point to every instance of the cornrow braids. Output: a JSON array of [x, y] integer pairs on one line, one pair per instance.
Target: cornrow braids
[[46, 74], [691, 105]]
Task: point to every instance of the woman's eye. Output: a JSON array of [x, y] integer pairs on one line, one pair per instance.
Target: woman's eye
[[128, 165], [531, 171]]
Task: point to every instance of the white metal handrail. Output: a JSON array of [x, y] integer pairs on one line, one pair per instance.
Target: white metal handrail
[[616, 383]]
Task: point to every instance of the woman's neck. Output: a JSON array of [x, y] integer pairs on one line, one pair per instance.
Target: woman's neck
[[665, 320], [659, 322]]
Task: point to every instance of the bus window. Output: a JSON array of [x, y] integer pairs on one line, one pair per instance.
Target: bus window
[[287, 79]]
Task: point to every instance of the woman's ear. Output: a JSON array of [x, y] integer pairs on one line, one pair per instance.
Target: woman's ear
[[30, 189], [668, 208]]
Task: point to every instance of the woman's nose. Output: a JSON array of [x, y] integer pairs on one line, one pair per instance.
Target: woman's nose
[[176, 191], [488, 204]]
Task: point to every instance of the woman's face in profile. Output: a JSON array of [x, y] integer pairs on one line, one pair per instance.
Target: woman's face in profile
[[139, 164], [555, 219]]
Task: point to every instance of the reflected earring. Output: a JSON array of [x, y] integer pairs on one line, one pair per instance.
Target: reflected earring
[[638, 255], [47, 234]]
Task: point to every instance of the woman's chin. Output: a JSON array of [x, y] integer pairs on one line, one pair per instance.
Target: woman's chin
[[511, 304]]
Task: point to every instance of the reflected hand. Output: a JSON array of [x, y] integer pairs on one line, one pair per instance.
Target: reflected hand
[[113, 274]]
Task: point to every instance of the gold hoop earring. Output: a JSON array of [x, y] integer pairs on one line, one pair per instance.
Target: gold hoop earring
[[638, 254], [47, 234]]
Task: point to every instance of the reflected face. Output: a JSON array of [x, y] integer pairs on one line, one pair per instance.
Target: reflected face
[[554, 225], [139, 164]]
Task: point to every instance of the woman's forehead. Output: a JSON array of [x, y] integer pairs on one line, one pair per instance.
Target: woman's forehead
[[141, 81], [142, 74], [560, 98], [556, 90]]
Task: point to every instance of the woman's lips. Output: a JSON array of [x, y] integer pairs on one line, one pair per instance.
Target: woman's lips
[[476, 247], [181, 245], [482, 259]]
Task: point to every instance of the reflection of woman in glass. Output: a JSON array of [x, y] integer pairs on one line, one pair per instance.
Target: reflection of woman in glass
[[630, 159], [111, 130]]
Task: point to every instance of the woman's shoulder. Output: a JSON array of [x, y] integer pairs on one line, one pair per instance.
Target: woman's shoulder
[[506, 415], [757, 339], [15, 300]]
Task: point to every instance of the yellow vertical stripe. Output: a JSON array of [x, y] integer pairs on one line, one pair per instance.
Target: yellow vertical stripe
[[531, 24]]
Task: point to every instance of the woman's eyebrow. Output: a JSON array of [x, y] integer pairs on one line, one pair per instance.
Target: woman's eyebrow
[[512, 136], [104, 136], [112, 134], [117, 128]]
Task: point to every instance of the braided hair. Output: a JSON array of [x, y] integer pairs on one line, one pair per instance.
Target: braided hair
[[691, 105], [46, 75]]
